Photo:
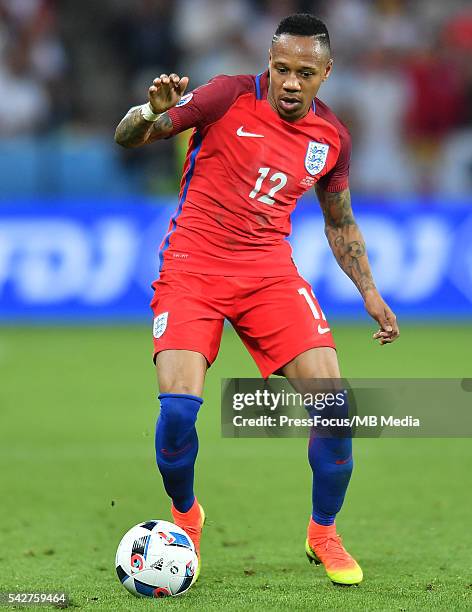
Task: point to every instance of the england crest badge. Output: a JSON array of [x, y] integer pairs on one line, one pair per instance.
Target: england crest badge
[[160, 324], [316, 156], [185, 99]]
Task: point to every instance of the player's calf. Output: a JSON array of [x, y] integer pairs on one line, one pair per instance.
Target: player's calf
[[176, 445]]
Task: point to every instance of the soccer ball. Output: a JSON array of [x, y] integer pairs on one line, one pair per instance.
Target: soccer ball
[[156, 559]]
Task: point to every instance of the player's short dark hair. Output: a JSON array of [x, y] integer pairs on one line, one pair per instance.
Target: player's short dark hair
[[304, 24]]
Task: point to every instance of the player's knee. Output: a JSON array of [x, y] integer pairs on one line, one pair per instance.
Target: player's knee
[[181, 372], [179, 386], [306, 369]]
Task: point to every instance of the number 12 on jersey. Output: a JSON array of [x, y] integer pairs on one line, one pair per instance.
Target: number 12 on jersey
[[280, 180]]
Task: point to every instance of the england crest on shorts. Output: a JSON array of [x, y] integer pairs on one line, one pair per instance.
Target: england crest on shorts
[[160, 324], [316, 156]]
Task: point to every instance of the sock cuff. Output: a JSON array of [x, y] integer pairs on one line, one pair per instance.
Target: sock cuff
[[180, 396], [321, 525], [194, 509]]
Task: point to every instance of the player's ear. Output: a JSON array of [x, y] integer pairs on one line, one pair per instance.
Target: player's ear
[[328, 68], [270, 57]]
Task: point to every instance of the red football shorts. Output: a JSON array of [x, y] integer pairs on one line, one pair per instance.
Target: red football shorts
[[277, 318]]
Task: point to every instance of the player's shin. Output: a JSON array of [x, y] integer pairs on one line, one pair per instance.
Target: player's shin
[[331, 462], [177, 446]]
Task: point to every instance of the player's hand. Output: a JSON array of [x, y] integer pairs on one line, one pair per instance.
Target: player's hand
[[383, 314], [166, 91]]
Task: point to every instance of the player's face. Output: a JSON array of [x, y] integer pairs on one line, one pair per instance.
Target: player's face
[[297, 67]]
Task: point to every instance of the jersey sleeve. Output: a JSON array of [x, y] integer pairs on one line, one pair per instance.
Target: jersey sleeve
[[337, 179], [208, 103]]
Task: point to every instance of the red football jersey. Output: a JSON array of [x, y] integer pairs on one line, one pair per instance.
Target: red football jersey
[[245, 169]]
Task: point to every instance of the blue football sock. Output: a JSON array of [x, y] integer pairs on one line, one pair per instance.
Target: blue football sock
[[177, 446], [331, 462]]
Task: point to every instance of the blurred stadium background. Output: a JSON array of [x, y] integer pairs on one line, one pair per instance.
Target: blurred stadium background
[[80, 225], [81, 219]]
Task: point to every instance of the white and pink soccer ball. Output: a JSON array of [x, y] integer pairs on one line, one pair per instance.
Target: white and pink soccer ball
[[156, 559]]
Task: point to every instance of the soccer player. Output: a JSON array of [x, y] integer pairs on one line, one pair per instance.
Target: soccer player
[[258, 143]]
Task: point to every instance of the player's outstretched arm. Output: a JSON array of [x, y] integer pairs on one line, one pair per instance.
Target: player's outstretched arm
[[149, 122], [348, 246]]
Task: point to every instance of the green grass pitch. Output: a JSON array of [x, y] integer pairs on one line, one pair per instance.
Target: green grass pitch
[[77, 410]]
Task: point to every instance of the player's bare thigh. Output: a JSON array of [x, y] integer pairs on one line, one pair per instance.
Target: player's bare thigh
[[180, 371], [321, 362]]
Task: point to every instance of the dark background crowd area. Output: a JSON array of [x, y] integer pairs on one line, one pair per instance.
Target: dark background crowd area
[[69, 71]]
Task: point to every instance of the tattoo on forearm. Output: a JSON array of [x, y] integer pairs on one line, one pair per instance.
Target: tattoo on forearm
[[163, 126], [133, 130], [345, 238], [352, 258], [336, 208]]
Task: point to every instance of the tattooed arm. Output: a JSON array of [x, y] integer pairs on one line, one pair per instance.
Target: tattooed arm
[[345, 238], [165, 92], [134, 131], [348, 246]]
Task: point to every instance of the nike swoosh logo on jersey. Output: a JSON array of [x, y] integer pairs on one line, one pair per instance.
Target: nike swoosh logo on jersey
[[323, 330], [240, 132]]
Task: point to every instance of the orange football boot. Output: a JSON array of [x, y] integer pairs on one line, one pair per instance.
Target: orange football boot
[[323, 545], [192, 523]]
